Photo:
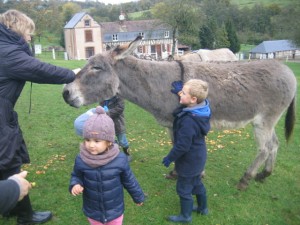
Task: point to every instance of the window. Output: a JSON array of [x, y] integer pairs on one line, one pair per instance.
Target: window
[[141, 34], [89, 51], [153, 49], [88, 36], [167, 34], [87, 23], [115, 37], [140, 49]]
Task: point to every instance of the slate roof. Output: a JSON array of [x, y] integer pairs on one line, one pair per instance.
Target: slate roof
[[131, 26], [274, 46], [75, 19]]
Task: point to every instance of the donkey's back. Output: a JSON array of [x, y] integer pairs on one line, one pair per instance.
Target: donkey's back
[[243, 92]]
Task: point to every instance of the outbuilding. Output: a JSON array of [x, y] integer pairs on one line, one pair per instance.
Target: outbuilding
[[279, 49]]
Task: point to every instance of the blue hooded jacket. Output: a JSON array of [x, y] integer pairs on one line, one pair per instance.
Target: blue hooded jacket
[[190, 127]]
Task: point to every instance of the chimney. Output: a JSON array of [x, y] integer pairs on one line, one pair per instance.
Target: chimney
[[122, 18]]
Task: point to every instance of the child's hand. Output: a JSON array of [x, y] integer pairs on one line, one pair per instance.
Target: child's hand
[[177, 87], [166, 161], [77, 189], [140, 204]]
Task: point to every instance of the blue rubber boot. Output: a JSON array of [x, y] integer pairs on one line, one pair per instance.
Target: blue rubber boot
[[186, 212], [201, 206]]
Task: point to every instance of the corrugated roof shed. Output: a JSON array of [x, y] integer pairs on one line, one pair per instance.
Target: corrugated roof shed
[[274, 46], [75, 19]]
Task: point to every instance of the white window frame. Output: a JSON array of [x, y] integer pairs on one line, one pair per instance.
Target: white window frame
[[167, 34], [115, 37], [141, 34], [87, 23]]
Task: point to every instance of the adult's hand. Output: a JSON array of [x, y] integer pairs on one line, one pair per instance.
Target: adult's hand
[[24, 185], [77, 70]]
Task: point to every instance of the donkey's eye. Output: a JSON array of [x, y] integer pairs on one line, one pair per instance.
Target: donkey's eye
[[97, 68]]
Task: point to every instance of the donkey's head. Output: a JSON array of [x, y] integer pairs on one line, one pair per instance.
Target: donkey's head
[[98, 80]]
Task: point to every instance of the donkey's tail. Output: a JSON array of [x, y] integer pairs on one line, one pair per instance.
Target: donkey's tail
[[290, 119]]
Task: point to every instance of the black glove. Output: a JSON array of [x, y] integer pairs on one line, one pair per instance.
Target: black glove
[[177, 87], [166, 161]]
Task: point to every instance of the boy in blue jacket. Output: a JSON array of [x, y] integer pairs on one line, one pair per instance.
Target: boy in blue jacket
[[101, 172], [190, 126]]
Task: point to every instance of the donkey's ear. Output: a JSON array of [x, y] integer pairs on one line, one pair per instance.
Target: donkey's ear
[[122, 51]]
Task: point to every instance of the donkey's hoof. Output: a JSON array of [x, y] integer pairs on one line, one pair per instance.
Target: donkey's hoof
[[244, 182], [242, 186], [260, 177], [172, 175]]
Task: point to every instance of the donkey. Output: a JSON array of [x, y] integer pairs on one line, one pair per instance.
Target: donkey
[[221, 54], [256, 92]]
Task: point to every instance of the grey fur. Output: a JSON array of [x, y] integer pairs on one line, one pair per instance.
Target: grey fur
[[221, 54], [256, 92]]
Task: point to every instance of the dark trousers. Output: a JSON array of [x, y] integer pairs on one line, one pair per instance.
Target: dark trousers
[[188, 186], [23, 207]]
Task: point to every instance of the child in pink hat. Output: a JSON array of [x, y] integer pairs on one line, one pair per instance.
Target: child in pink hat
[[101, 172]]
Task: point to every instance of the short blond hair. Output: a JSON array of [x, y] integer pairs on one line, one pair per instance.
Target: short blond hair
[[17, 22], [198, 88]]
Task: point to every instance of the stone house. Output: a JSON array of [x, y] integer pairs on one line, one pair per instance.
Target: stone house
[[82, 37]]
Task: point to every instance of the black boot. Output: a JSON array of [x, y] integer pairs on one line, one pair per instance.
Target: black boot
[[27, 216], [186, 212], [126, 151], [34, 218], [201, 206]]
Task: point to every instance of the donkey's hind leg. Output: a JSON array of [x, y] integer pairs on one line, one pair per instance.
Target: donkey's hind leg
[[270, 162], [264, 138]]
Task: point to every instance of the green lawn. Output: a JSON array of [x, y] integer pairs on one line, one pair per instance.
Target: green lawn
[[53, 145]]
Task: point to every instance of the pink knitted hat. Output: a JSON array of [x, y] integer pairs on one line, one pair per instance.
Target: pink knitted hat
[[99, 126]]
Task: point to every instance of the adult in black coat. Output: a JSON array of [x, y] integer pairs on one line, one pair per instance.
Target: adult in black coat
[[17, 65]]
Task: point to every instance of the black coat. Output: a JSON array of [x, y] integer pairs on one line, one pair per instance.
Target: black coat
[[17, 65]]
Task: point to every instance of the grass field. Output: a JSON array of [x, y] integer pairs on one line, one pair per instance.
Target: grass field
[[53, 145], [251, 3]]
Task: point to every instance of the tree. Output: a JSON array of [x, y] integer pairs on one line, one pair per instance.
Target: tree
[[208, 34], [69, 9], [183, 16], [222, 38], [206, 37], [232, 37], [286, 23]]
